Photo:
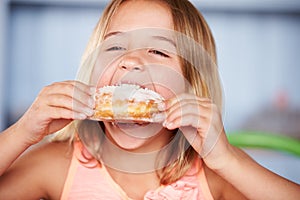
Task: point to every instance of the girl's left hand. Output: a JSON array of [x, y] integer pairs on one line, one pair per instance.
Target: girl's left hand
[[200, 121]]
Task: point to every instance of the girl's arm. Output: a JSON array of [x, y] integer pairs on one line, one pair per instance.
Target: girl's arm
[[39, 173], [255, 181], [12, 145], [55, 107], [201, 123]]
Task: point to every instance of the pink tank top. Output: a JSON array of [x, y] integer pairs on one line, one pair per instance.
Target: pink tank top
[[91, 181]]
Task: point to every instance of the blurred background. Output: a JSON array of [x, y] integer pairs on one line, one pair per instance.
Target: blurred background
[[41, 41]]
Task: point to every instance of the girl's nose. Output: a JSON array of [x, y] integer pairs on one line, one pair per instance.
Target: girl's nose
[[131, 63]]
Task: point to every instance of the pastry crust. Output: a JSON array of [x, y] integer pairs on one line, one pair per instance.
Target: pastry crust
[[126, 102]]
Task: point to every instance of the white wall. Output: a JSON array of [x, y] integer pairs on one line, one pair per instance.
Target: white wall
[[258, 51], [46, 44], [258, 60]]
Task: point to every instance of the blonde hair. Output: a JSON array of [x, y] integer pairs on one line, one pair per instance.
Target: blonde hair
[[202, 75]]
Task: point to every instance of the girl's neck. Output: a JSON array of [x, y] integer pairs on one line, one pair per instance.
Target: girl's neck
[[126, 161], [134, 185], [153, 143]]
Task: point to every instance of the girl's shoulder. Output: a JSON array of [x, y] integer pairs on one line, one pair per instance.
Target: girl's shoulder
[[52, 160], [39, 173]]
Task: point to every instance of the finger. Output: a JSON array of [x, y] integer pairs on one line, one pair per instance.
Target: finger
[[82, 93], [186, 97], [186, 108], [68, 87], [71, 89], [85, 99], [81, 86], [183, 107], [63, 113], [64, 101], [193, 120], [162, 106], [159, 117]]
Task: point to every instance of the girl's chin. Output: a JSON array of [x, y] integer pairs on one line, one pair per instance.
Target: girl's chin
[[128, 135], [137, 137], [126, 141]]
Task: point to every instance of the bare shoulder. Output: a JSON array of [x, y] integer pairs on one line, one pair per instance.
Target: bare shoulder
[[38, 173], [219, 187]]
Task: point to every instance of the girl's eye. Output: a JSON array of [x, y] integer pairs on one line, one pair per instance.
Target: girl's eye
[[116, 48], [157, 52]]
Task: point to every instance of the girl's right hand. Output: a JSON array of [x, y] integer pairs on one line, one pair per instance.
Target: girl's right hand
[[55, 107]]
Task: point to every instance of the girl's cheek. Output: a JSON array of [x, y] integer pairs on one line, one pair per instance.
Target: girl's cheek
[[103, 74], [104, 68], [100, 78], [169, 81], [166, 93]]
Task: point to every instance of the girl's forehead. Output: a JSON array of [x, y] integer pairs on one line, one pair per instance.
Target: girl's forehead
[[132, 15], [144, 33]]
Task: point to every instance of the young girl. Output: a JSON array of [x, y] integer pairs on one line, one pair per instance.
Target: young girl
[[185, 155]]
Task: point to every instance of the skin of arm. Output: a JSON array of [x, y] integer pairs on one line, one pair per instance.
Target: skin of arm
[[11, 148], [201, 123], [220, 188], [242, 177], [38, 174], [257, 182], [56, 106]]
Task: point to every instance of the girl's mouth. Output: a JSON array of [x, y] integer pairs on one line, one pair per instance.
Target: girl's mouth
[[136, 129], [129, 124]]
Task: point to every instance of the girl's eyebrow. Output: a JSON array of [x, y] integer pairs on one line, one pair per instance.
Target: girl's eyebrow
[[112, 34], [164, 39]]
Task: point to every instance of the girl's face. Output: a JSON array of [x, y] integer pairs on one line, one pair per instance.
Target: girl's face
[[139, 48]]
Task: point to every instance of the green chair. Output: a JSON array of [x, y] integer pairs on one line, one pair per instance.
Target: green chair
[[256, 139]]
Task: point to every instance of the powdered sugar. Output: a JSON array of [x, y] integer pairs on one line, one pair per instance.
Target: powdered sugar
[[126, 102], [130, 92]]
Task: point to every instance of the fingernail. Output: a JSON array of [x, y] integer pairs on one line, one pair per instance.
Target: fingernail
[[170, 125], [80, 116], [89, 112], [92, 90], [161, 106], [91, 102], [160, 117], [164, 124]]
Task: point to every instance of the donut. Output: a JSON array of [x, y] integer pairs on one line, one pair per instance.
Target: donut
[[126, 102]]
